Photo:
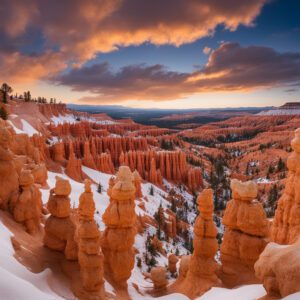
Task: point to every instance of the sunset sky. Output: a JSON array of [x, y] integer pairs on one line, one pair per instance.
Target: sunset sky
[[153, 53]]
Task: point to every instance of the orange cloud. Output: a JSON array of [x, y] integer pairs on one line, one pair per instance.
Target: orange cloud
[[74, 31]]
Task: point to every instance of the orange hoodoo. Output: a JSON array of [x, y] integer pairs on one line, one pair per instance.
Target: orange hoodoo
[[59, 227], [201, 274], [90, 256], [28, 209], [73, 168], [9, 177], [245, 235], [118, 239], [137, 184], [286, 224]]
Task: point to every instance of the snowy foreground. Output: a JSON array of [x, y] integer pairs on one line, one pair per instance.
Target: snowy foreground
[[17, 282]]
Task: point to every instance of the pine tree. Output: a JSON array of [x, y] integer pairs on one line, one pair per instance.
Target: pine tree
[[99, 189], [6, 90], [3, 113], [151, 190]]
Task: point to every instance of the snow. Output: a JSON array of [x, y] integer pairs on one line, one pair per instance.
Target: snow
[[27, 128], [295, 296], [247, 292], [263, 180], [279, 112], [17, 130], [13, 274], [70, 118]]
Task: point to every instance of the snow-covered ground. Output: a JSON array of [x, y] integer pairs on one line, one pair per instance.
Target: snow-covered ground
[[279, 112], [70, 118], [26, 128]]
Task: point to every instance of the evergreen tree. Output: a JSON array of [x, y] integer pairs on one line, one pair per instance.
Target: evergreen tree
[[280, 165], [151, 190], [6, 90], [3, 113], [99, 189]]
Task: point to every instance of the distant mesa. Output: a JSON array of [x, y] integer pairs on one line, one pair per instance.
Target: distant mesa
[[289, 108]]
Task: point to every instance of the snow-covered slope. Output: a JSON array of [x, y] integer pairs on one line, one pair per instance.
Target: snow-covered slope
[[279, 112]]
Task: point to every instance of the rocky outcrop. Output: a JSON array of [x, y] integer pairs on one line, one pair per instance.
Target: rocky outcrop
[[9, 187], [88, 159], [73, 168], [28, 208], [172, 165], [137, 184], [286, 224], [278, 267], [58, 153], [246, 233], [201, 274], [172, 261], [59, 227], [118, 238], [159, 278], [90, 256]]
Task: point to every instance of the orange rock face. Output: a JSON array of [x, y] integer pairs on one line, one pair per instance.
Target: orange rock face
[[90, 256], [286, 224], [159, 278], [201, 274], [73, 168], [59, 227], [172, 261], [9, 187], [278, 267], [118, 238], [137, 184], [28, 209], [245, 235]]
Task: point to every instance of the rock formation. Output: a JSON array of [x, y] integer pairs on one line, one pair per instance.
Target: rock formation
[[201, 274], [137, 184], [172, 261], [28, 209], [73, 168], [245, 235], [278, 267], [9, 186], [59, 227], [90, 256], [118, 238], [88, 159], [286, 224], [159, 277]]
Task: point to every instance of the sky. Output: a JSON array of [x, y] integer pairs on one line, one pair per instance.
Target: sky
[[153, 53]]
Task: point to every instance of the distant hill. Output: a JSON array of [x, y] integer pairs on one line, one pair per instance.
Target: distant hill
[[289, 108]]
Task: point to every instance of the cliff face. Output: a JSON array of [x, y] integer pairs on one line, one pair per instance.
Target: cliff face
[[286, 224]]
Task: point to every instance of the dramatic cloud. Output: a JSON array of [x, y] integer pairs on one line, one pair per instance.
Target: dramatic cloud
[[73, 31], [129, 83], [229, 68]]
